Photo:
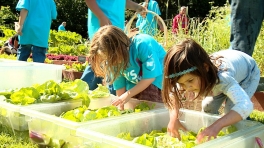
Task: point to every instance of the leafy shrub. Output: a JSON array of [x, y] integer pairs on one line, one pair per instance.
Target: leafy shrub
[[57, 38], [6, 33], [12, 142]]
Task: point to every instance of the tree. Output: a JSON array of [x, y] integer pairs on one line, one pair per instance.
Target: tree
[[11, 4], [7, 18], [75, 13]]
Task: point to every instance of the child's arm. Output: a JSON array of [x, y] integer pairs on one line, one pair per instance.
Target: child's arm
[[174, 24], [98, 12], [241, 110], [119, 92], [230, 118], [134, 6], [22, 17], [16, 44], [174, 124], [142, 85]]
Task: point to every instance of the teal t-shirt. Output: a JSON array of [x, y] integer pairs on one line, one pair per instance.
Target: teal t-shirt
[[148, 25], [61, 28], [113, 9], [36, 27], [146, 61]]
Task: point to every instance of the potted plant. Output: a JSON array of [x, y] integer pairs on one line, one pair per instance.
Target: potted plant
[[74, 71]]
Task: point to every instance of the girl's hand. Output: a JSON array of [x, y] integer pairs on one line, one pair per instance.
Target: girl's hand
[[143, 14], [19, 29], [141, 8], [212, 131], [117, 102], [144, 10], [208, 134], [121, 107], [173, 128], [120, 101]]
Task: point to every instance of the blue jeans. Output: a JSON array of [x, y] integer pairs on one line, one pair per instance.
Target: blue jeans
[[89, 77], [246, 21], [213, 104], [38, 53]]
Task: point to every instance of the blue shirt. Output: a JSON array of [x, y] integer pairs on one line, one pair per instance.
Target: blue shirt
[[61, 28], [146, 61], [239, 78], [114, 11], [36, 27], [148, 25]]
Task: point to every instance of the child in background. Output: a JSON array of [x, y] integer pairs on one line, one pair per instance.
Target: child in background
[[33, 27], [228, 75], [134, 65], [62, 26], [180, 21], [147, 22], [11, 45]]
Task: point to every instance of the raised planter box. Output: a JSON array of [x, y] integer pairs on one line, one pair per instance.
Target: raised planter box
[[25, 74], [104, 134], [57, 128], [14, 123], [61, 62]]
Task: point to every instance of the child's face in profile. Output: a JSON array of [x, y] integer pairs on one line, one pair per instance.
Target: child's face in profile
[[183, 11], [190, 83]]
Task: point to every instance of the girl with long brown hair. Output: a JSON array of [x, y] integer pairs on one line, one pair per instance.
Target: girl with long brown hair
[[228, 76]]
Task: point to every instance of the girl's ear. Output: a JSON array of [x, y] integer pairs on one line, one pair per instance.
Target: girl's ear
[[206, 67]]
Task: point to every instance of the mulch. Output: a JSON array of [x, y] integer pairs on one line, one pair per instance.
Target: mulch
[[258, 101]]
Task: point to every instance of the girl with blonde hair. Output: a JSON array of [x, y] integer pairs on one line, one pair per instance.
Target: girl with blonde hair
[[133, 64]]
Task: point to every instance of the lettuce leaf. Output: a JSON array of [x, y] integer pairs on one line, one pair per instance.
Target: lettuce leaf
[[6, 94], [49, 88], [125, 135], [77, 85], [25, 96], [77, 89], [100, 92]]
